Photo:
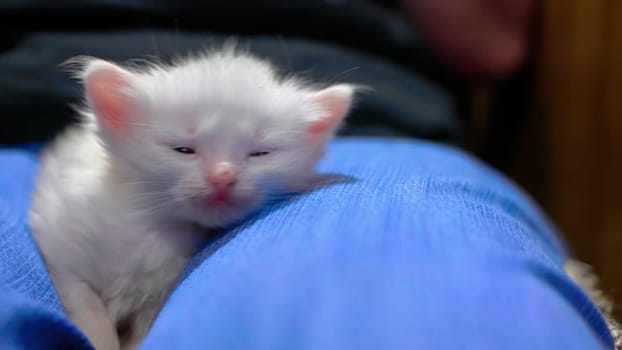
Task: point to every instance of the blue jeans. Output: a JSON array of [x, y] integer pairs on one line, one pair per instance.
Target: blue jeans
[[417, 246]]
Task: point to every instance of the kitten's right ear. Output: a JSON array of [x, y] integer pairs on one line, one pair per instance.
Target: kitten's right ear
[[335, 103], [110, 94]]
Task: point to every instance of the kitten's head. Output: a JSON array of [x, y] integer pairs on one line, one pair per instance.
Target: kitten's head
[[213, 136]]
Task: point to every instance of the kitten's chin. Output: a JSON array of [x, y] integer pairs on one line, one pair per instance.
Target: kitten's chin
[[210, 212]]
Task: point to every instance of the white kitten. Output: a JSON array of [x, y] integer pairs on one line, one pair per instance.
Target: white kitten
[[122, 199]]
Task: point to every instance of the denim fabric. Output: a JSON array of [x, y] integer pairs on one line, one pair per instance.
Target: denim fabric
[[413, 246]]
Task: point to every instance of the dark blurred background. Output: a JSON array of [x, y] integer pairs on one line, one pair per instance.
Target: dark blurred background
[[533, 88]]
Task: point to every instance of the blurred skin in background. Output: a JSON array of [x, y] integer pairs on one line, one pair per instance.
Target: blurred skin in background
[[482, 39]]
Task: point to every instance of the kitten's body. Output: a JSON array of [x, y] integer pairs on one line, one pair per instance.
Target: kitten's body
[[99, 239], [123, 199]]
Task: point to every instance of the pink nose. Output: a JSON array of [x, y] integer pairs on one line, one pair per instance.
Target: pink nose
[[222, 175]]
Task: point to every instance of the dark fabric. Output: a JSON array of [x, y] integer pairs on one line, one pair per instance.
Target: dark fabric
[[364, 41], [359, 24], [35, 94]]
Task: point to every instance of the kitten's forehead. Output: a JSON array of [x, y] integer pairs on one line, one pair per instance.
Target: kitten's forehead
[[214, 93], [220, 77]]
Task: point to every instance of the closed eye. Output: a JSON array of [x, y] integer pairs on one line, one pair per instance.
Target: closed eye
[[258, 154], [184, 150]]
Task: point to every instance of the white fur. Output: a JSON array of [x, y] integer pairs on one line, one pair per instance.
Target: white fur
[[116, 215]]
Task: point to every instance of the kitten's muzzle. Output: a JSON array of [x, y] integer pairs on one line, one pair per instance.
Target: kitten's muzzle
[[222, 176]]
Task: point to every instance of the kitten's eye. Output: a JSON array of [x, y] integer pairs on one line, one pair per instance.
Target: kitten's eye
[[184, 150], [258, 154]]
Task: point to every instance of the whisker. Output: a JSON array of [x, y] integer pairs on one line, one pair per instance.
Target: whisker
[[150, 194], [154, 44], [341, 75], [145, 183], [142, 124], [170, 206]]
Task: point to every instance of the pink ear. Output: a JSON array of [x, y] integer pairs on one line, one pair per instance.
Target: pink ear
[[109, 94], [335, 102]]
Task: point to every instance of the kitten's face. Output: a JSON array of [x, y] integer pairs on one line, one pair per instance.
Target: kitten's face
[[216, 139], [224, 158]]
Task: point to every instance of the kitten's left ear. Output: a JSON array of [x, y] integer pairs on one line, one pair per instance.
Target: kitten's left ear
[[334, 102]]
